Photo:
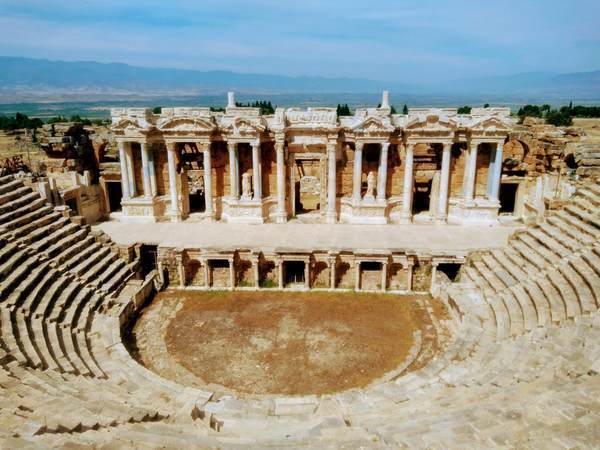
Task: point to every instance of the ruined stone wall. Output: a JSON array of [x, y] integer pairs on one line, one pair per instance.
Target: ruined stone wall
[[397, 276], [457, 172], [269, 169], [161, 168], [268, 273], [481, 174], [137, 169], [321, 275], [395, 177], [345, 172]]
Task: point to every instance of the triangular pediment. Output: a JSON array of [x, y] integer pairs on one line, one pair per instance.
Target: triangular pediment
[[491, 124], [373, 125], [187, 124]]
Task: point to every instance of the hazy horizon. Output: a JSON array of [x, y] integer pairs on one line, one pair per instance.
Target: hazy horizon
[[412, 42]]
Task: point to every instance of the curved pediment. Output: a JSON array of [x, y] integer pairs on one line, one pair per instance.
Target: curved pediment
[[245, 126], [187, 124]]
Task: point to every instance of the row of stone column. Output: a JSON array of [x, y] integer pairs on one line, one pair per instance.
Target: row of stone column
[[149, 177], [128, 174]]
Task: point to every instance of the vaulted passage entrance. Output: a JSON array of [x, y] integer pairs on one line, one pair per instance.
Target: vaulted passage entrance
[[508, 197], [307, 186], [294, 273], [115, 194]]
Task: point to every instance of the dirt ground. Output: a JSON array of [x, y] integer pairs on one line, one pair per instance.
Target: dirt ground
[[283, 343]]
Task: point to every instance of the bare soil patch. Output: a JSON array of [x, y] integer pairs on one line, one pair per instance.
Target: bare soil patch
[[282, 343]]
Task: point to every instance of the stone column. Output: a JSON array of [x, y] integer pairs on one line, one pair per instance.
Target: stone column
[[470, 172], [496, 175], [256, 272], [180, 270], [256, 172], [409, 276], [130, 171], [234, 176], [281, 209], [331, 183], [207, 163], [231, 273], [433, 275], [206, 273], [124, 171], [382, 172], [444, 184], [173, 181], [407, 190], [151, 171], [384, 276], [145, 170], [357, 275], [357, 179], [332, 274], [280, 273], [307, 274]]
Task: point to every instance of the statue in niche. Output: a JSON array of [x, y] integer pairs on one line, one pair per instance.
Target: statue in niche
[[246, 186], [371, 181]]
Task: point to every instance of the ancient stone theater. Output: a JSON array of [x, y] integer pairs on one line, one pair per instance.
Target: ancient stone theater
[[224, 278]]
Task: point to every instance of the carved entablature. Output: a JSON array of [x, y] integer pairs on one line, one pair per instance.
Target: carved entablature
[[314, 119], [243, 127], [430, 126], [134, 123]]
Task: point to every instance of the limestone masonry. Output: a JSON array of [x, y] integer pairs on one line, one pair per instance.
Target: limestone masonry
[[498, 222]]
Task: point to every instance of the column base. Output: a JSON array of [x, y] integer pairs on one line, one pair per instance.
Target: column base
[[441, 220], [405, 219], [281, 217], [175, 216], [330, 217]]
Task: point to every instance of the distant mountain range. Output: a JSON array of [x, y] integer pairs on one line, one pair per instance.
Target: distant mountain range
[[32, 78]]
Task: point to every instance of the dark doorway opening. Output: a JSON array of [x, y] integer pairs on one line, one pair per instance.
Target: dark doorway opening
[[294, 272], [196, 190], [508, 197], [147, 258], [115, 194], [307, 186], [72, 203], [452, 270], [421, 197]]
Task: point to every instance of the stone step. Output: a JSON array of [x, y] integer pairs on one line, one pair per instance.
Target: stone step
[[5, 179], [30, 283], [37, 224], [554, 232], [10, 186], [54, 237], [93, 273], [581, 220], [11, 280], [8, 337], [7, 251], [86, 264], [28, 207], [498, 270], [542, 304], [18, 202], [584, 295], [516, 264], [567, 292], [14, 194], [529, 255], [552, 244], [542, 250], [41, 232], [590, 277], [586, 205], [530, 314], [25, 342], [494, 282], [67, 242], [567, 226], [27, 218], [76, 253], [590, 196], [558, 308]]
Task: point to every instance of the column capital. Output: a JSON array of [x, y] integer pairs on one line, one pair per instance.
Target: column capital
[[358, 145], [203, 145], [231, 145], [385, 144], [171, 145], [255, 143]]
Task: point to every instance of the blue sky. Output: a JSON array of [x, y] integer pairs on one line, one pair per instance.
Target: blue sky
[[404, 41]]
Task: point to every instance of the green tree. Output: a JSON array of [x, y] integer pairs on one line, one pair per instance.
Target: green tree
[[405, 109], [464, 110], [156, 110], [487, 105], [559, 118]]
